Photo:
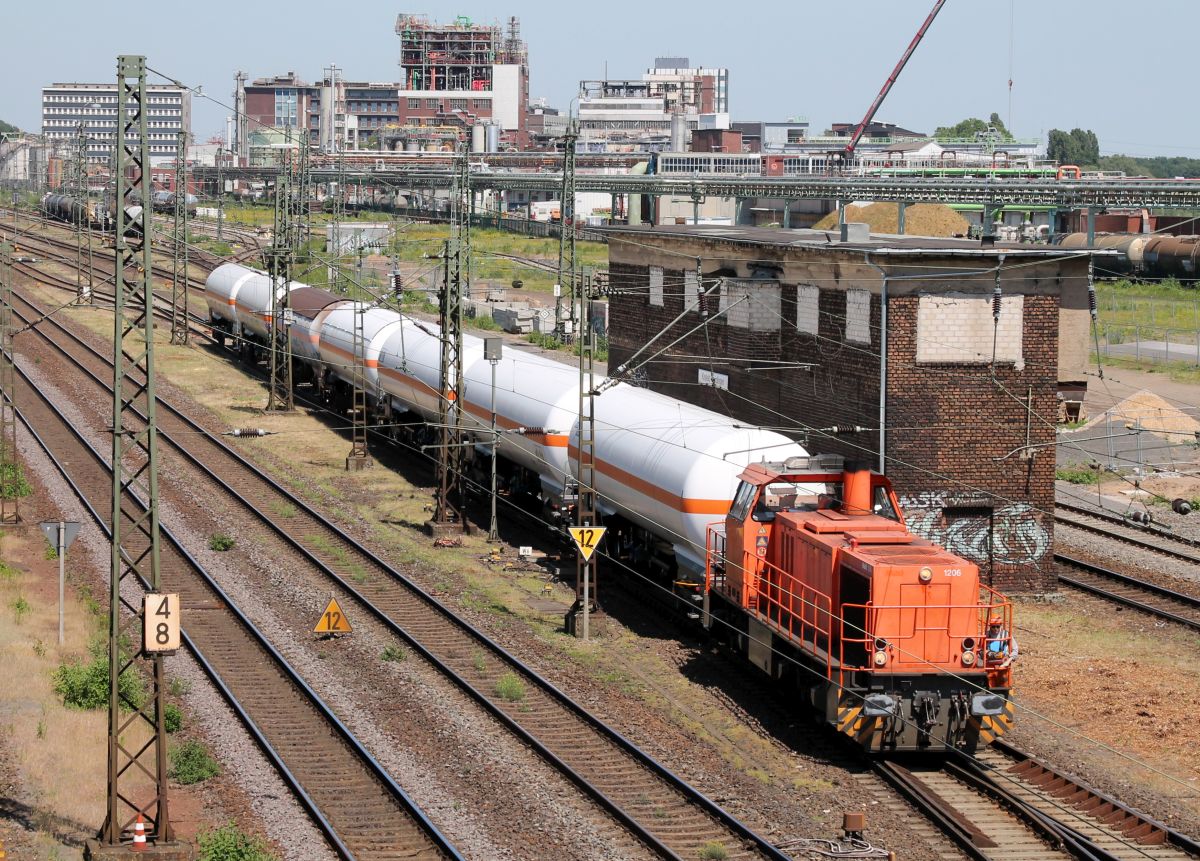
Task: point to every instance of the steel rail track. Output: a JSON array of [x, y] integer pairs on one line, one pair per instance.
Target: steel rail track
[[662, 809], [1134, 535], [1130, 591], [355, 802]]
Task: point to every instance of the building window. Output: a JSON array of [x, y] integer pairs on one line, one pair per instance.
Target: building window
[[458, 104], [691, 290], [656, 286], [959, 328], [858, 316], [414, 104], [481, 103], [432, 104], [285, 108], [808, 315]]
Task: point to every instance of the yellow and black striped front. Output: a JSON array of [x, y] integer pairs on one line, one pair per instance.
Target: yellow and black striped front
[[991, 727]]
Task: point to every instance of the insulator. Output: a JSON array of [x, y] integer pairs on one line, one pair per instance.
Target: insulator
[[248, 432], [996, 297], [1092, 300]]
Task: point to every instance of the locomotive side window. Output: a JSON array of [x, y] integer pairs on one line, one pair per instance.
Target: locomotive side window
[[742, 500], [883, 504]]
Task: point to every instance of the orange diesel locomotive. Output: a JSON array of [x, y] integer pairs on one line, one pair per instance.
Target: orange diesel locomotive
[[816, 578]]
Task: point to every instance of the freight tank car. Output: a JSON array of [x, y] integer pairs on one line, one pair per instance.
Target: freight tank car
[[812, 572], [815, 577], [1145, 255]]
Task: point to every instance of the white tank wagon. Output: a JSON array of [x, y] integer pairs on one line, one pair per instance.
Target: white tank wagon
[[239, 301], [667, 468]]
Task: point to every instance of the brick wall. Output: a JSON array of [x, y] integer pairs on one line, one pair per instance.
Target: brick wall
[[948, 423]]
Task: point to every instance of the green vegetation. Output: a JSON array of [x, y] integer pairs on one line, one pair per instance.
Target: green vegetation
[[20, 608], [192, 763], [51, 552], [972, 126], [1163, 166], [13, 484], [1180, 372], [283, 509], [394, 653], [85, 685], [7, 572], [7, 128], [179, 686], [220, 542], [1077, 473], [230, 843], [510, 688], [714, 851], [1077, 147], [173, 717]]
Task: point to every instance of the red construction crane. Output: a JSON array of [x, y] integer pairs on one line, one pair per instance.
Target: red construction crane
[[887, 86]]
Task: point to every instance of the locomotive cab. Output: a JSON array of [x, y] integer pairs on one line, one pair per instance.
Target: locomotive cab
[[816, 571]]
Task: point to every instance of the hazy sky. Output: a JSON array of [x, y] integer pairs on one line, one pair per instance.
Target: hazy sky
[[1125, 70]]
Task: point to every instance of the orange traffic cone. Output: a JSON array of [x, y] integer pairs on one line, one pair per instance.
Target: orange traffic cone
[[139, 835]]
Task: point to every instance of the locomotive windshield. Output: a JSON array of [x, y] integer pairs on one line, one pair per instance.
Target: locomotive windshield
[[786, 496]]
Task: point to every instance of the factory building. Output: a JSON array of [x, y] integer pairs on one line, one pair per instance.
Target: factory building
[[809, 332], [621, 115], [454, 76], [66, 106]]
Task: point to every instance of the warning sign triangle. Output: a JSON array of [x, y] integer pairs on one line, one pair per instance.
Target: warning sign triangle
[[333, 620], [586, 538]]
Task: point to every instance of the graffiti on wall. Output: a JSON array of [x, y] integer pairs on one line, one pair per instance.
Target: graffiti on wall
[[1015, 535]]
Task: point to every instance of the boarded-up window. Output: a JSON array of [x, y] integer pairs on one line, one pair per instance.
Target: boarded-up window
[[858, 316], [959, 328], [808, 299], [656, 285], [752, 304], [691, 290]]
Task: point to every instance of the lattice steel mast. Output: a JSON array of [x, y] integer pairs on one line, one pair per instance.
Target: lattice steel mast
[[447, 508], [586, 603], [179, 270], [281, 257], [10, 470], [566, 235], [80, 193], [135, 533]]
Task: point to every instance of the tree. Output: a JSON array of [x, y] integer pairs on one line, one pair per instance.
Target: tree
[[1074, 147], [7, 127], [973, 126]]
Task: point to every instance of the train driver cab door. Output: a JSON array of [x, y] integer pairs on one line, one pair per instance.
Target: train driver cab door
[[853, 597]]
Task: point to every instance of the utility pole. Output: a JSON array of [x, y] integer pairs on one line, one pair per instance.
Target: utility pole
[[359, 457], [493, 351], [83, 293], [337, 216], [579, 616], [447, 509], [132, 759], [566, 234], [280, 258], [221, 194], [10, 469], [179, 271]]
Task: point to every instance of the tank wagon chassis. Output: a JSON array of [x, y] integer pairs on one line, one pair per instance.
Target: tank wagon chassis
[[812, 574]]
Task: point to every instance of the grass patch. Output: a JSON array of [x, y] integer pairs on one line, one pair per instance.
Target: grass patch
[[7, 572], [192, 763], [84, 685], [1077, 473], [230, 843], [1180, 372], [393, 653], [179, 686], [20, 608], [220, 542], [51, 552], [478, 662], [714, 851], [173, 717], [510, 688], [90, 604], [283, 509]]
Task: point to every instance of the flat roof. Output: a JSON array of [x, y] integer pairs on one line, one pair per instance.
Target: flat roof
[[829, 240]]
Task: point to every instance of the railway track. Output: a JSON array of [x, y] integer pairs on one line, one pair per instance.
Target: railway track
[[362, 811], [1117, 528], [1129, 591], [1004, 805], [664, 812]]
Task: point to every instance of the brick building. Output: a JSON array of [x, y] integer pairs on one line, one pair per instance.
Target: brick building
[[799, 323]]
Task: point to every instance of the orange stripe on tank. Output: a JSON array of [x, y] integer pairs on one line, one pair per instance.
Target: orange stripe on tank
[[658, 494]]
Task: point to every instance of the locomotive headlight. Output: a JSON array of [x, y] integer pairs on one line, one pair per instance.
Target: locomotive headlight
[[880, 658], [925, 575], [968, 659]]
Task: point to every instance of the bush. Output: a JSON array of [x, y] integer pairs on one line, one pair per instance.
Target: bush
[[220, 542], [714, 851], [191, 763], [1077, 474], [85, 685], [20, 608], [230, 843], [510, 687], [13, 484], [173, 717]]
